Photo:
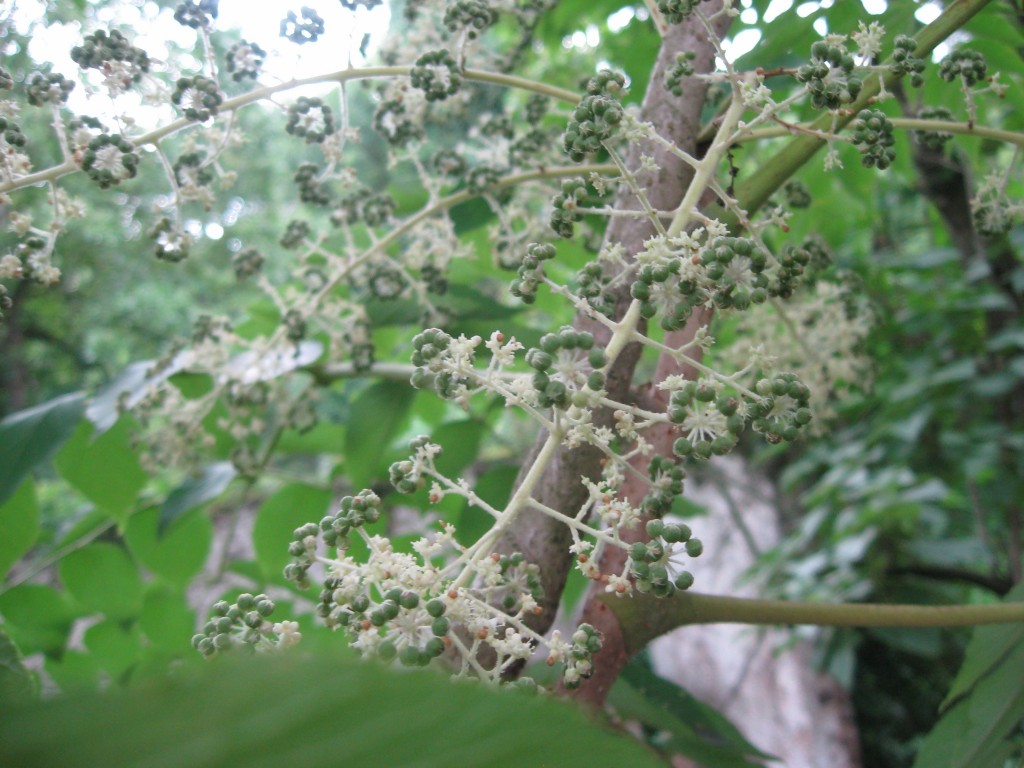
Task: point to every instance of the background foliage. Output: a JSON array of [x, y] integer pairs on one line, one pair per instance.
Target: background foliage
[[913, 497]]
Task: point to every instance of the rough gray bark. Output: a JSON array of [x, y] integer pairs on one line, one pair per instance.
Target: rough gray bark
[[540, 539]]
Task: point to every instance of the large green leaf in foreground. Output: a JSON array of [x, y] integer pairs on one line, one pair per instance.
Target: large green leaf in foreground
[[272, 712]]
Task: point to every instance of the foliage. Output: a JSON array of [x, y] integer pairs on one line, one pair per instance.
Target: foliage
[[466, 245]]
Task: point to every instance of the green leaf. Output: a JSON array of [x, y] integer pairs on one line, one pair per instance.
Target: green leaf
[[166, 619], [460, 441], [278, 517], [116, 647], [105, 470], [38, 618], [176, 555], [985, 703], [19, 521], [128, 389], [30, 437], [102, 577], [697, 731], [195, 492], [377, 413], [322, 713], [16, 681]]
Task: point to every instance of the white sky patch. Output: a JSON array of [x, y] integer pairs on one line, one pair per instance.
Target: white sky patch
[[928, 13], [151, 28], [749, 16], [776, 8], [820, 26], [619, 20], [743, 42], [875, 7]]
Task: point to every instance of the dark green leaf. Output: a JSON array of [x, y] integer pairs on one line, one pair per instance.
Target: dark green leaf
[[19, 521], [177, 554], [103, 578], [38, 618], [460, 441], [105, 470], [17, 683], [278, 517], [377, 413], [30, 437], [195, 492], [272, 712], [697, 731]]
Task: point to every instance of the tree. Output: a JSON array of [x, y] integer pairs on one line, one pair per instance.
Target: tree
[[683, 295]]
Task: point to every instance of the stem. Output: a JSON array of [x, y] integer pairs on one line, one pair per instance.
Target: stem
[[644, 617], [341, 76], [903, 123]]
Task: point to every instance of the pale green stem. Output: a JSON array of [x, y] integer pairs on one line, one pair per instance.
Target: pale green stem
[[265, 92], [645, 617], [903, 123]]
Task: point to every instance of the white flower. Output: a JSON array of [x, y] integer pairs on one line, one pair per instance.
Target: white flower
[[287, 633]]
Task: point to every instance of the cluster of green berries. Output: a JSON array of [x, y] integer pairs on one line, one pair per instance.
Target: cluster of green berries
[[579, 664], [190, 170], [518, 573], [563, 363], [528, 146], [100, 48], [240, 394], [676, 11], [306, 29], [735, 267], [6, 80], [360, 349], [483, 178], [353, 513], [245, 59], [403, 474], [310, 119], [792, 260], [374, 210], [965, 64], [196, 13], [385, 282], [294, 323], [683, 67], [307, 178], [198, 96], [667, 478], [594, 120], [535, 109], [874, 139], [830, 76], [531, 271], [171, 243], [448, 162], [797, 194], [934, 140], [209, 328], [650, 560], [294, 234], [393, 122], [355, 613], [567, 206], [904, 62], [429, 348], [437, 74], [109, 160], [50, 88], [302, 415], [471, 16], [11, 132], [82, 130], [722, 416], [591, 283], [435, 279], [782, 409], [242, 623]]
